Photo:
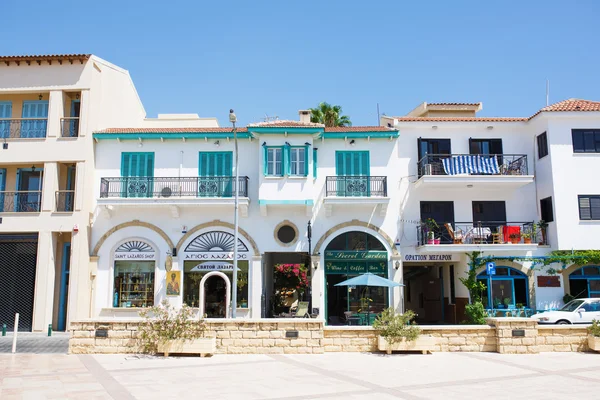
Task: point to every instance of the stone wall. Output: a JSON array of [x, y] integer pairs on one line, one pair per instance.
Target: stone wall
[[503, 335], [243, 337]]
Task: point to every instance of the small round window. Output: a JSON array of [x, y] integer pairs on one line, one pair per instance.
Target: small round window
[[286, 234]]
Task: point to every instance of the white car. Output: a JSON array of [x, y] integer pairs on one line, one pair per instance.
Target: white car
[[578, 311]]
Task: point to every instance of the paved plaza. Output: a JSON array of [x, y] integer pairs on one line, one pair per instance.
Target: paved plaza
[[328, 376]]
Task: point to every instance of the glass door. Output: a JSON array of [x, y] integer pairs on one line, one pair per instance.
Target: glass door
[[29, 190]]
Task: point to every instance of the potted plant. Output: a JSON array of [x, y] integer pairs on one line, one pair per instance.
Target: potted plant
[[498, 303], [543, 225], [430, 228], [506, 302], [527, 234], [396, 332], [594, 336], [515, 238], [166, 330]]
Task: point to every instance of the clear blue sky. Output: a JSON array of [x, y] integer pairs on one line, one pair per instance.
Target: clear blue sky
[[275, 57]]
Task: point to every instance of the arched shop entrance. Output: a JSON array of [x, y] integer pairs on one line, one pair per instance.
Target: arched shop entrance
[[208, 252], [507, 289], [348, 255], [133, 274], [585, 282]]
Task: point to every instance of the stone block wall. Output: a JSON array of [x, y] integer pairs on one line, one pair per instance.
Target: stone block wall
[[562, 338]]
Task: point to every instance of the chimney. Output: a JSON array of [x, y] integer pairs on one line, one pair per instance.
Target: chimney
[[304, 116]]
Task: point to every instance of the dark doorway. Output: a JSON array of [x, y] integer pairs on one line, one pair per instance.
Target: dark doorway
[[442, 212], [489, 211], [337, 299], [433, 146], [485, 146], [18, 259], [215, 290], [273, 302], [432, 300]]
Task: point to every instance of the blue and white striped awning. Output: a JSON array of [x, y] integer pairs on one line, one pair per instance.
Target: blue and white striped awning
[[471, 164]]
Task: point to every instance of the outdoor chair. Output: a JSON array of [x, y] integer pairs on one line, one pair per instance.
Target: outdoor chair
[[456, 236], [302, 310]]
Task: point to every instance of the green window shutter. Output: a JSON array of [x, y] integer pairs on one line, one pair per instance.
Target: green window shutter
[[265, 167], [125, 164], [228, 164], [287, 161], [314, 163], [340, 166], [149, 165], [305, 160], [202, 164], [364, 164]]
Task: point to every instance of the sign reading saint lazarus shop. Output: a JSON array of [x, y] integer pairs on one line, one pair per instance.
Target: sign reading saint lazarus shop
[[135, 250], [215, 245]]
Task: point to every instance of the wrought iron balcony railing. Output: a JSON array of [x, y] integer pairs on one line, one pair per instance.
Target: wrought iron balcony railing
[[65, 200], [356, 186], [481, 232], [69, 127], [21, 201], [23, 128], [159, 187], [473, 164]]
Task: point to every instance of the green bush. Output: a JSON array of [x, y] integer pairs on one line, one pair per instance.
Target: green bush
[[475, 313], [396, 327], [594, 330]]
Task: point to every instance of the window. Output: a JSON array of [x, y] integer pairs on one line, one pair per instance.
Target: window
[[508, 289], [274, 161], [286, 233], [546, 209], [298, 164], [485, 146], [542, 142], [134, 284], [589, 207], [586, 140], [138, 168], [433, 146]]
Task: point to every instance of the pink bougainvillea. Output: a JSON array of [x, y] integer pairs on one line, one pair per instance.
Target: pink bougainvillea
[[292, 276]]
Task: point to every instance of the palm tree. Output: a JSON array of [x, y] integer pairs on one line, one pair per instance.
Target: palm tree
[[329, 115]]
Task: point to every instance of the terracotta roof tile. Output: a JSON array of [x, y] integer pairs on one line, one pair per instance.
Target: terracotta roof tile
[[358, 129], [453, 104], [285, 124], [45, 57], [574, 105], [460, 119], [170, 130]]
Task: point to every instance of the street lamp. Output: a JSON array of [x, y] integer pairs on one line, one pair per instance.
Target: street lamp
[[233, 120]]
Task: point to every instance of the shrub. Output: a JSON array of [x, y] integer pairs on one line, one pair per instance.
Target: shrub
[[594, 330], [396, 327], [475, 313], [163, 323]]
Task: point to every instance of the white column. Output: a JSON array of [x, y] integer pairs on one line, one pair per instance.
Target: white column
[[84, 112], [78, 305], [397, 300], [49, 186], [80, 189], [255, 287], [318, 284], [43, 300], [56, 110]]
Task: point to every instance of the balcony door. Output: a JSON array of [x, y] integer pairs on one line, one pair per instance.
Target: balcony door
[[5, 115], [35, 119], [29, 190], [215, 169], [431, 152], [485, 146], [490, 213], [442, 212], [2, 187], [137, 171], [74, 123], [353, 170]]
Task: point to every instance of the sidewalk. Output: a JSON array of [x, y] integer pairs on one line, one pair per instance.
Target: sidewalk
[[37, 343]]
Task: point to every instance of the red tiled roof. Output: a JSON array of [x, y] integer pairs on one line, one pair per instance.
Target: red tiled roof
[[453, 104], [169, 130], [285, 124], [460, 119], [573, 105], [357, 129], [47, 57]]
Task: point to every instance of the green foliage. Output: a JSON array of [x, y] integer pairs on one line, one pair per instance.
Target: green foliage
[[475, 313], [396, 327], [594, 330], [163, 323], [431, 224], [567, 298], [474, 287], [329, 115]]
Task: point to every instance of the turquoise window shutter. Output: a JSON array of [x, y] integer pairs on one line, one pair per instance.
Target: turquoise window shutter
[[314, 163], [5, 112], [2, 187], [265, 165], [306, 161], [340, 169], [138, 171], [287, 167], [32, 127], [203, 164]]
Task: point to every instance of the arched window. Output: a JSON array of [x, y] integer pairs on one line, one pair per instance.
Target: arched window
[[508, 289], [585, 282], [134, 265]]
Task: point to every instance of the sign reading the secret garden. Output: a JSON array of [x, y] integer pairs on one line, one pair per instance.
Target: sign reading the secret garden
[[356, 255]]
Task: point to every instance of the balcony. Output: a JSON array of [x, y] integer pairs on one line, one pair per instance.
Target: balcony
[[184, 191], [69, 127], [23, 128], [480, 171], [356, 190], [65, 200], [21, 201], [481, 235]]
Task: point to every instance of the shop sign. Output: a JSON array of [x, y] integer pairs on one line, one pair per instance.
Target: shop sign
[[377, 268], [548, 281], [214, 256], [335, 268], [431, 257], [135, 256], [357, 268], [213, 266], [356, 255]]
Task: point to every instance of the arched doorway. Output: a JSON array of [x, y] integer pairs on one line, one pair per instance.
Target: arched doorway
[[215, 295], [348, 255], [585, 282], [507, 289]]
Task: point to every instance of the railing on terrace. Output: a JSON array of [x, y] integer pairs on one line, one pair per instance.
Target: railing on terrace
[[69, 127], [20, 201], [23, 128], [481, 232], [160, 187], [473, 164], [65, 200], [356, 186]]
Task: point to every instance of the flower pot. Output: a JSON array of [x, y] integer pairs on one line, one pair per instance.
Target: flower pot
[[430, 241], [527, 240], [423, 343], [202, 346], [437, 241], [594, 342], [514, 240]]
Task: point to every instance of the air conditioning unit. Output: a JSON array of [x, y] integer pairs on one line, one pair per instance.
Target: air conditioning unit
[[166, 192]]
